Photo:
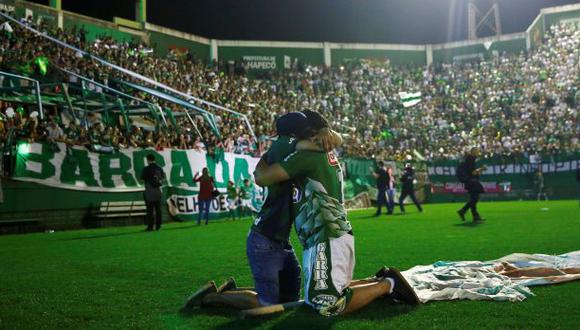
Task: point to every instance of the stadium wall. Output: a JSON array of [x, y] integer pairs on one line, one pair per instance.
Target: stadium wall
[[517, 174], [548, 17], [96, 29], [270, 55], [396, 54], [479, 49], [535, 33], [556, 15], [166, 40], [265, 55], [54, 208]]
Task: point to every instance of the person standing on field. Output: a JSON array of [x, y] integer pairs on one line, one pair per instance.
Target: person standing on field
[[468, 173], [381, 176], [206, 186], [153, 176], [408, 188]]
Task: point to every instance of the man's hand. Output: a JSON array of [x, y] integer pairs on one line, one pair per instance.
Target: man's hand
[[326, 140]]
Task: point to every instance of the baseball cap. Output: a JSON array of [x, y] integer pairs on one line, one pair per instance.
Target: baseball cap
[[292, 123]]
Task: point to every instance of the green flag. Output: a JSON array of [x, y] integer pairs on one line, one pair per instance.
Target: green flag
[[410, 99], [42, 63]]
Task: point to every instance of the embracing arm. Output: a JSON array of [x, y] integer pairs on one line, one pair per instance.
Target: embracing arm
[[268, 175], [262, 164], [265, 175]]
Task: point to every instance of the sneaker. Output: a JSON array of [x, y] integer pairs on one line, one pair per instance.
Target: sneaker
[[196, 298], [461, 215], [402, 290], [228, 285], [382, 273], [478, 218]]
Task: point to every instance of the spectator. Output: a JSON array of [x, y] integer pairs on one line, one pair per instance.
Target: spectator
[[205, 195], [153, 176], [381, 176], [391, 183]]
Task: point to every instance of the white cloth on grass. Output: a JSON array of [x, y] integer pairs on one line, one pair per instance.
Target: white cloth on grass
[[477, 280]]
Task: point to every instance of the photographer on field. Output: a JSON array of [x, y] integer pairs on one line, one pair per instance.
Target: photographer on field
[[408, 188], [468, 174]]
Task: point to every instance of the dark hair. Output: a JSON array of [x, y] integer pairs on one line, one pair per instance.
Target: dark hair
[[315, 122], [380, 163], [150, 157]]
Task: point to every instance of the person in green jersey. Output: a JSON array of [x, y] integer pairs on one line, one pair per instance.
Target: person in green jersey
[[272, 259], [232, 200], [246, 198], [323, 229]]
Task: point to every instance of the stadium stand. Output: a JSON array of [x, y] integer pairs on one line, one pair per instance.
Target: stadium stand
[[511, 104]]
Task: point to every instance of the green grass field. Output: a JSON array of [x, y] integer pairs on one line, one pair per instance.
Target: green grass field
[[127, 278]]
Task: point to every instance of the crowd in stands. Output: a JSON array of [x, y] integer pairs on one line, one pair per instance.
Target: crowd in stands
[[507, 104]]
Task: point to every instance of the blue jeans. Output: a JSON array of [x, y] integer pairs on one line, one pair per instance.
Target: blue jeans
[[275, 269], [381, 200], [203, 209], [390, 200]]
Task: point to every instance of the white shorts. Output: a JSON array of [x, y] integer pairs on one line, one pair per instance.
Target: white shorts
[[328, 270], [248, 203], [232, 203]]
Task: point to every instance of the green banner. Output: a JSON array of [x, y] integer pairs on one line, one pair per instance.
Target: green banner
[[558, 174], [76, 168], [182, 203], [358, 176]]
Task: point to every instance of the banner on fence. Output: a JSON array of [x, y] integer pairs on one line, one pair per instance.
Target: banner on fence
[[77, 168], [458, 188], [558, 177], [182, 203]]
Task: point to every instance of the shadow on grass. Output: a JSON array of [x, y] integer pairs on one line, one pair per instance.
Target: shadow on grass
[[303, 317], [468, 224], [383, 216], [106, 235], [141, 231]]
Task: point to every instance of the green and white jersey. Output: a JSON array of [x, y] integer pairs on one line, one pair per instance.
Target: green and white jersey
[[232, 192], [318, 196], [246, 191]]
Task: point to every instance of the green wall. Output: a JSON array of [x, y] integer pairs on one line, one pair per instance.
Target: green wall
[[57, 208], [95, 30], [396, 57], [551, 19], [537, 33], [305, 55], [47, 15], [447, 55], [165, 42], [513, 46]]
